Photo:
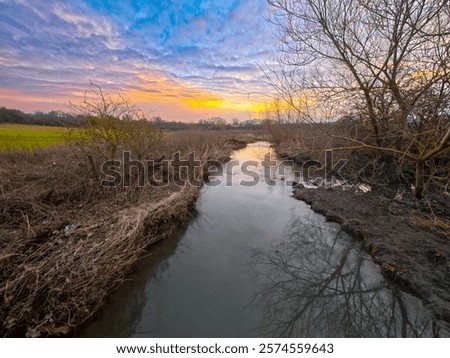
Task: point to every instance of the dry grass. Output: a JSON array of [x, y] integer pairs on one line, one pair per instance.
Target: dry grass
[[434, 223], [55, 283], [303, 142], [51, 280]]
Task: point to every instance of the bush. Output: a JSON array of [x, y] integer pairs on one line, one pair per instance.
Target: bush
[[110, 123]]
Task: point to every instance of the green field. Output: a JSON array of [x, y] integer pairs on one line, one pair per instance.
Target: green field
[[30, 137]]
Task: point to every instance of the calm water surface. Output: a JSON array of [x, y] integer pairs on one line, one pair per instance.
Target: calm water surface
[[255, 262]]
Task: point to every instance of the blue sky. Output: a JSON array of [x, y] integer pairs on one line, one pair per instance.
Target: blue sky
[[183, 60]]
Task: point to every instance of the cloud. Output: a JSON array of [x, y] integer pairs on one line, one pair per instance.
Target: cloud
[[159, 53], [87, 26]]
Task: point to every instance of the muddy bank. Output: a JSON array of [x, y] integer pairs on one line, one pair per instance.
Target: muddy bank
[[412, 252]]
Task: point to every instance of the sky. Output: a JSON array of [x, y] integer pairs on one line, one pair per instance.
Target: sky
[[178, 59]]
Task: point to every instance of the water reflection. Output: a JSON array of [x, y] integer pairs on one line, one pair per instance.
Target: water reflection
[[123, 309], [310, 280], [317, 285]]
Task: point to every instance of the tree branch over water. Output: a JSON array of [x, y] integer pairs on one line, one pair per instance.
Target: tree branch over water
[[383, 64]]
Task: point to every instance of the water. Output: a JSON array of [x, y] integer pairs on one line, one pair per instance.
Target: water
[[255, 262]]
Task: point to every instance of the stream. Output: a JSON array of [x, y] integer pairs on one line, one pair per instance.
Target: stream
[[255, 262]]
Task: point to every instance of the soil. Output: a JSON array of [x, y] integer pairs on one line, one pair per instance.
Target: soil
[[411, 246]]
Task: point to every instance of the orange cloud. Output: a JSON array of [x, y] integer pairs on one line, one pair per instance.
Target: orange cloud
[[155, 94], [191, 101], [21, 100]]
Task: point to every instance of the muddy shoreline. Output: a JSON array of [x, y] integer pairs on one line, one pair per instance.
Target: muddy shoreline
[[412, 256]]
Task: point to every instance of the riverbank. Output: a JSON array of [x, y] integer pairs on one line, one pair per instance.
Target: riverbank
[[412, 248], [67, 241]]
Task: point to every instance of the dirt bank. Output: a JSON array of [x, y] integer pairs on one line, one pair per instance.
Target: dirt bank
[[412, 249]]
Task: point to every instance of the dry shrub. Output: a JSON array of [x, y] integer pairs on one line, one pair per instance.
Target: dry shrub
[[52, 287], [303, 142], [204, 146], [52, 279]]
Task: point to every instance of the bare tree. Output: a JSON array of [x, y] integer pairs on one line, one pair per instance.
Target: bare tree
[[316, 284], [384, 63], [110, 122]]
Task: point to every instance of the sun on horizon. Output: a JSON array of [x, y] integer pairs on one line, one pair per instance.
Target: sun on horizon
[[178, 60]]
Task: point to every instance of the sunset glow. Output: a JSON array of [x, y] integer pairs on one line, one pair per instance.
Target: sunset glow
[[181, 60]]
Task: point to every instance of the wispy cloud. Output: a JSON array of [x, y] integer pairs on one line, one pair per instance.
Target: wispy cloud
[[184, 59]]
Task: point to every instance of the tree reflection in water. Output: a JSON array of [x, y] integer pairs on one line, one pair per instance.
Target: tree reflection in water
[[317, 284]]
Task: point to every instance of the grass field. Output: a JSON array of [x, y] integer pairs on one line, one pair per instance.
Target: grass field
[[30, 137]]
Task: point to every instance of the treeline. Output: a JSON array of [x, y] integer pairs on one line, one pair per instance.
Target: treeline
[[53, 118], [215, 123], [62, 119]]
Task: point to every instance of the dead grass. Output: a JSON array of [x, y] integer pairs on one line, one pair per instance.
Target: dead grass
[[435, 223], [53, 279], [54, 283], [304, 142]]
